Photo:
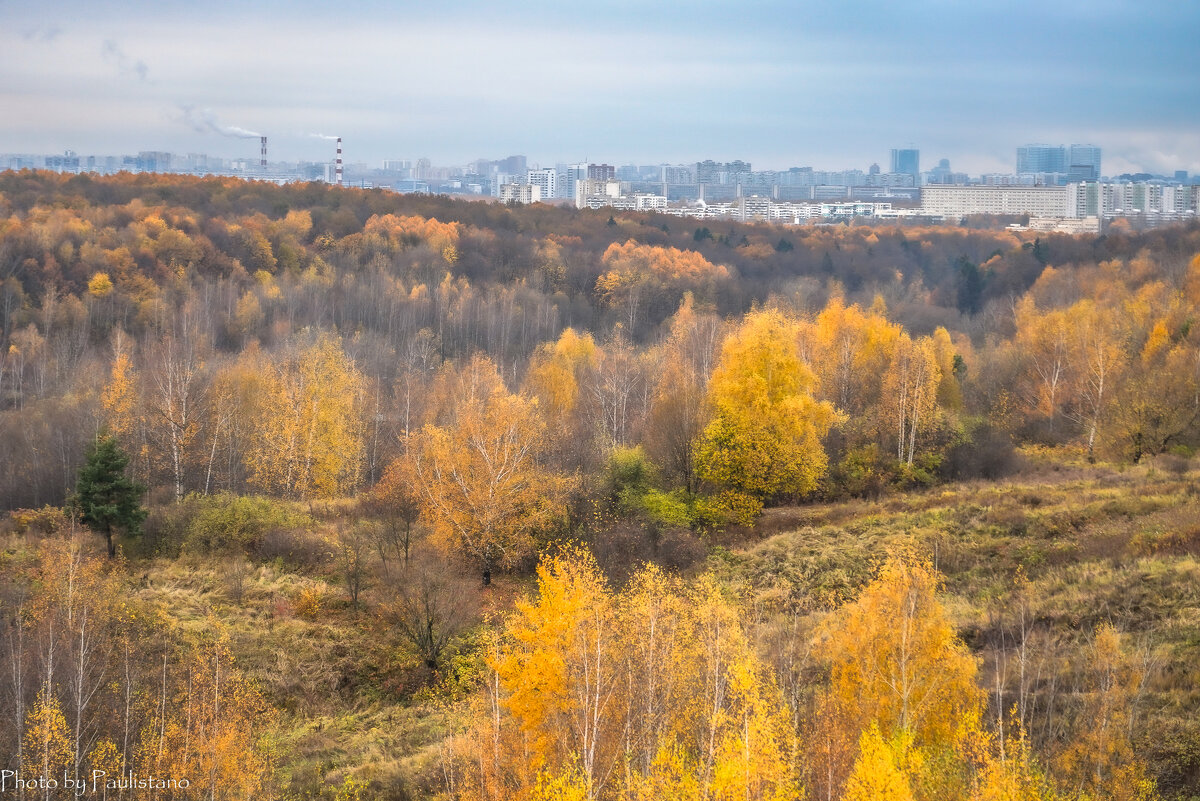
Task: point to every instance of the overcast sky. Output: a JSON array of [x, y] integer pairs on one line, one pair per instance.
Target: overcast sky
[[829, 84]]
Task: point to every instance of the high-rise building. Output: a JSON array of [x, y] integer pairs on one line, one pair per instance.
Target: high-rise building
[[1050, 159], [677, 174], [1083, 163], [520, 193], [1074, 163], [715, 172], [546, 179], [569, 177], [513, 165], [907, 161], [153, 161], [601, 172]]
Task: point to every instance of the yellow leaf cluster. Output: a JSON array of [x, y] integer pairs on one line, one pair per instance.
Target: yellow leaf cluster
[[441, 237], [653, 692], [554, 371], [47, 749], [119, 397], [209, 733], [100, 285], [896, 661], [765, 436], [877, 776], [307, 438]]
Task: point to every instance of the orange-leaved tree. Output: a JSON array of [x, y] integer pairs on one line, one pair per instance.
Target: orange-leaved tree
[[477, 469], [212, 730], [556, 371], [640, 275]]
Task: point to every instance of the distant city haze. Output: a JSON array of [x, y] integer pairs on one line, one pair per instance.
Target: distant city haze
[[778, 84]]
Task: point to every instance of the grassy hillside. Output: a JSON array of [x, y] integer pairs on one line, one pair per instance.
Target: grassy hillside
[[1059, 549], [1061, 546]]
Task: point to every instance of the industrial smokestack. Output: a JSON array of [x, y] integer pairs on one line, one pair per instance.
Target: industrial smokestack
[[338, 170], [263, 142]]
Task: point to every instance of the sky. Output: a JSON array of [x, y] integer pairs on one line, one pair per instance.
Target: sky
[[831, 85]]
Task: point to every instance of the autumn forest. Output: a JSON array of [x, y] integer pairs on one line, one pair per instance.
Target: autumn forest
[[316, 493]]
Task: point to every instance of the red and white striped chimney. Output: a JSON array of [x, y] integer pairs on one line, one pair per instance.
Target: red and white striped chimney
[[338, 170], [263, 162]]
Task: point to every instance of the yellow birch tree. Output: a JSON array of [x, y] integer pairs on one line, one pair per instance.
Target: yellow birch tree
[[765, 436]]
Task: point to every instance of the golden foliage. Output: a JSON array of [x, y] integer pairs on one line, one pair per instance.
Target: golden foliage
[[1100, 758], [877, 774], [1015, 776], [650, 693], [441, 237], [896, 661], [554, 371], [765, 436], [850, 350], [307, 431], [47, 746], [636, 273], [119, 398], [100, 285], [477, 468], [210, 731]]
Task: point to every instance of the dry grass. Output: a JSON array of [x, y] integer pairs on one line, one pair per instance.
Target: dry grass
[[1096, 544]]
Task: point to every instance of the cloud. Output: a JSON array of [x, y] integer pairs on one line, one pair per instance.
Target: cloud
[[43, 34], [126, 65], [203, 120]]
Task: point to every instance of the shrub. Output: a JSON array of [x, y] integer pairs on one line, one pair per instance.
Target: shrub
[[983, 452], [627, 478], [668, 508], [297, 548], [44, 522], [1173, 463], [239, 522], [862, 473], [308, 602], [166, 526]]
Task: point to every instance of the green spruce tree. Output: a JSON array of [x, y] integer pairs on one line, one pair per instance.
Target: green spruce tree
[[105, 498]]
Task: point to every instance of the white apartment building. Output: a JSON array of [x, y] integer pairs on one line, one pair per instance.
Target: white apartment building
[[1181, 199], [1107, 201], [640, 202], [753, 208], [959, 201], [590, 193], [520, 193], [498, 180], [546, 179], [569, 176]]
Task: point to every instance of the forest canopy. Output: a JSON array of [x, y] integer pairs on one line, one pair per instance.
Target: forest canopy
[[553, 505]]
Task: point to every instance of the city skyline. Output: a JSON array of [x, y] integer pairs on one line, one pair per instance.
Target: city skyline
[[767, 82]]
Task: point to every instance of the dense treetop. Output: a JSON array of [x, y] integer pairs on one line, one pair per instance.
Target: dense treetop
[[399, 396]]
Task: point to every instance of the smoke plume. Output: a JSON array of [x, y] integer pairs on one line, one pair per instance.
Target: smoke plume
[[204, 121]]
